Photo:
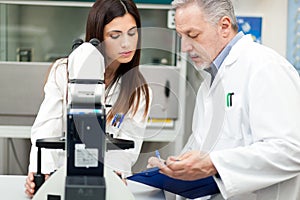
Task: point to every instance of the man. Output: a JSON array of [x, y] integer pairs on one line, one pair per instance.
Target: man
[[246, 130]]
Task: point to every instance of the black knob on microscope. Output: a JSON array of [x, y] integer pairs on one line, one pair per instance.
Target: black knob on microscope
[[39, 179], [95, 42], [76, 43]]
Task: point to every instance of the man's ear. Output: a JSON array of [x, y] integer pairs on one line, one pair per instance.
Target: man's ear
[[225, 26]]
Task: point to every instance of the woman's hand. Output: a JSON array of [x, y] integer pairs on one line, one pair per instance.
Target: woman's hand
[[120, 174], [30, 185], [155, 162]]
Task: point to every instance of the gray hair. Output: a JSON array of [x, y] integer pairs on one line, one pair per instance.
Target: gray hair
[[214, 10]]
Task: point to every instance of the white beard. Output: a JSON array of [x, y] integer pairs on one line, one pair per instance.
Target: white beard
[[202, 66]]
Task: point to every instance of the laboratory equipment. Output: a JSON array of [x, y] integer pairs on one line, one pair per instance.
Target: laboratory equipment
[[86, 140]]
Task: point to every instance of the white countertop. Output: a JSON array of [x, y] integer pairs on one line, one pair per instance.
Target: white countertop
[[12, 187]]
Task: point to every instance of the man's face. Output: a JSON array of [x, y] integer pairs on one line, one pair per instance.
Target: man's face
[[200, 39]]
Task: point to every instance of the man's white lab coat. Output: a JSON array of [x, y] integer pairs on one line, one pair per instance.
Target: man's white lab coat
[[249, 123]]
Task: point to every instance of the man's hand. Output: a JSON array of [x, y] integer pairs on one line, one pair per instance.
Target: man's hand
[[121, 175], [192, 165]]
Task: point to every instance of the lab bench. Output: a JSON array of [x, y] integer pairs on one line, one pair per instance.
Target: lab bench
[[12, 187]]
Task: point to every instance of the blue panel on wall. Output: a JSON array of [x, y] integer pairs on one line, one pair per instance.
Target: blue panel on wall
[[251, 25], [293, 35]]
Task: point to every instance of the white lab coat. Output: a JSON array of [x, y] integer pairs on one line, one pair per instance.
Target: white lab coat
[[255, 143], [51, 119]]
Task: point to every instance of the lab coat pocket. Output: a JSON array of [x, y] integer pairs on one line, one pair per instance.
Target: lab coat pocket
[[232, 127]]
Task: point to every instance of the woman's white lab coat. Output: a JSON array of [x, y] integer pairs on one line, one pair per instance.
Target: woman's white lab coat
[[51, 119], [249, 120]]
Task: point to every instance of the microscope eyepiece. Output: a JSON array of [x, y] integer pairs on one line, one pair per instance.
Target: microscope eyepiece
[[77, 43], [95, 42]]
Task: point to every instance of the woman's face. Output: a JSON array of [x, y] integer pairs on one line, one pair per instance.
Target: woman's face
[[120, 39]]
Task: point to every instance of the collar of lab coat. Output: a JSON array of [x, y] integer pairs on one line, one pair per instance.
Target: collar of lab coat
[[236, 50], [228, 62]]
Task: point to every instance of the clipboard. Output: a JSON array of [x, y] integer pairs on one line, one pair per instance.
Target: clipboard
[[187, 189]]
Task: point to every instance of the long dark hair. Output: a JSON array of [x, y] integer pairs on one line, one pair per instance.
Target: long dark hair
[[133, 84]]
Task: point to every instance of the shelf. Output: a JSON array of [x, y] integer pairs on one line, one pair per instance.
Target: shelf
[[151, 135], [29, 37], [15, 132]]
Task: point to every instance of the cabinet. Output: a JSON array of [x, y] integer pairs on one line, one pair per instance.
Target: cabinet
[[42, 31], [35, 33]]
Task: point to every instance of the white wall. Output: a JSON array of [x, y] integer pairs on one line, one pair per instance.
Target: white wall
[[275, 17]]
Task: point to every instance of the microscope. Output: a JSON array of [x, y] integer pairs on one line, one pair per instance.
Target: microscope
[[86, 140]]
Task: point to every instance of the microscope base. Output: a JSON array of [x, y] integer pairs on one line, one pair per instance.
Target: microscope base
[[55, 186], [85, 187]]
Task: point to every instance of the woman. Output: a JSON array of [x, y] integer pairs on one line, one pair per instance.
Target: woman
[[116, 24]]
